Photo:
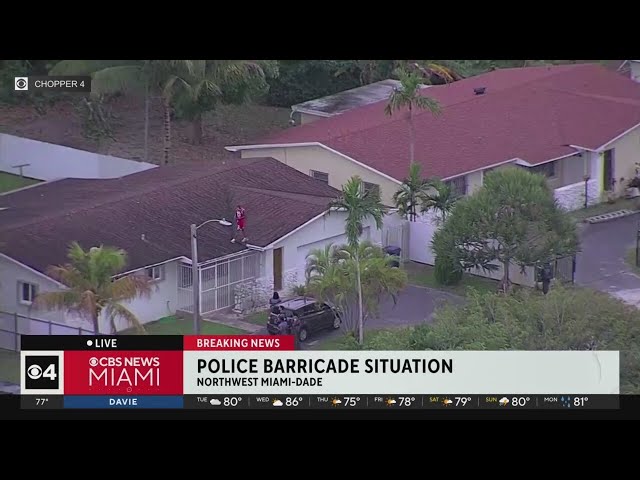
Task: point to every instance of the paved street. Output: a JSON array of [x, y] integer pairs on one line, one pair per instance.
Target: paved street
[[601, 264]]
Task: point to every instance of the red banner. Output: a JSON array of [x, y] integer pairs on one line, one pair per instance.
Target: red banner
[[239, 342], [123, 373]]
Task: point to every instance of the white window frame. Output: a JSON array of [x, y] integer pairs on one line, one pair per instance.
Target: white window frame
[[33, 291], [152, 271], [322, 175]]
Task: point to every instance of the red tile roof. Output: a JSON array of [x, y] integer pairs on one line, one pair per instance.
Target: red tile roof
[[528, 113], [40, 222]]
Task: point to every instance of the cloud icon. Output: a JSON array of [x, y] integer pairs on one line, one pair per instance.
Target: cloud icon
[[504, 401], [215, 401], [277, 403]]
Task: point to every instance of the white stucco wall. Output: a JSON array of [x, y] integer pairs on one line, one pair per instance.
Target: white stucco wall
[[51, 162], [635, 70], [571, 197], [322, 231], [162, 302]]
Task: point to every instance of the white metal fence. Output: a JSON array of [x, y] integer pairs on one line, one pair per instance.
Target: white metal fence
[[397, 236], [13, 325], [218, 282]]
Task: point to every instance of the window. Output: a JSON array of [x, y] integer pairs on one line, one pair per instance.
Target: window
[[185, 279], [546, 169], [458, 185], [155, 273], [322, 176], [368, 187], [26, 292]]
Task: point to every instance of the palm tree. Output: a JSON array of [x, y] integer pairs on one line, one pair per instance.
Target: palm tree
[[413, 189], [440, 198], [333, 279], [134, 76], [359, 204], [92, 289], [210, 82], [408, 96]]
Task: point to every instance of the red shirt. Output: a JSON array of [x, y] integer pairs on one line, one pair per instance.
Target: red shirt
[[240, 217]]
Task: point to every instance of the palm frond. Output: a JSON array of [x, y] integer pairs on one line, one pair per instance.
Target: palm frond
[[60, 300], [129, 287], [120, 79], [115, 310]]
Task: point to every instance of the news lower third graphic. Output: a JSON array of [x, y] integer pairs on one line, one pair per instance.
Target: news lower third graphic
[[265, 373], [323, 402], [58, 83]]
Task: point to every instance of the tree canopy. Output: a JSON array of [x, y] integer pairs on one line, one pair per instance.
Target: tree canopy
[[512, 219], [565, 319], [92, 290], [332, 276]]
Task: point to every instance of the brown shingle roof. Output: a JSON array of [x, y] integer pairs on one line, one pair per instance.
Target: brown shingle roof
[[528, 113], [160, 204]]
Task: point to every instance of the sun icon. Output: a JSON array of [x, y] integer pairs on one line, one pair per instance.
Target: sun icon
[[335, 402]]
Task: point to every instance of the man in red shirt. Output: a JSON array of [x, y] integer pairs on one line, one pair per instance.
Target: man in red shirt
[[240, 222]]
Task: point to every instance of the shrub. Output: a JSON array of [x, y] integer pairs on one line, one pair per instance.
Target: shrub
[[299, 290], [447, 270]]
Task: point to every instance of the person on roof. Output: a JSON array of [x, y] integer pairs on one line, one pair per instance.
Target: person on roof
[[240, 223]]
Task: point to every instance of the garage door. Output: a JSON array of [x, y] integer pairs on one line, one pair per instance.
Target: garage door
[[303, 250]]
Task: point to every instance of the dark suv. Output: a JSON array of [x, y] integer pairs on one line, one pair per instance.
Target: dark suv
[[307, 314]]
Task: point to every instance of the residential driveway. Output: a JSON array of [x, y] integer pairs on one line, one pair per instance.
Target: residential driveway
[[601, 264], [414, 305]]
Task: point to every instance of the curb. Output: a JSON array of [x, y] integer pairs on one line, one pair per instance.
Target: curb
[[606, 217]]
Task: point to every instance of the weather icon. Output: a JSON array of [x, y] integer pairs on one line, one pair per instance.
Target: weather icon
[[446, 402], [504, 401], [215, 401], [277, 403], [391, 401], [336, 401]]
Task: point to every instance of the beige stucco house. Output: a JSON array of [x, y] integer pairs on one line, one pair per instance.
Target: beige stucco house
[[572, 123]]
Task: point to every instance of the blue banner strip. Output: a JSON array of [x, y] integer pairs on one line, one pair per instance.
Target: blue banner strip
[[123, 401]]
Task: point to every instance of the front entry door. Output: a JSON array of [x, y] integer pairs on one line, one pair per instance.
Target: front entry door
[[607, 171], [277, 269]]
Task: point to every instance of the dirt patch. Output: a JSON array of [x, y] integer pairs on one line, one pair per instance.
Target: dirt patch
[[228, 125]]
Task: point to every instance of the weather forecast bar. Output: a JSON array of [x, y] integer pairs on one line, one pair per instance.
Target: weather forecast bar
[[323, 402]]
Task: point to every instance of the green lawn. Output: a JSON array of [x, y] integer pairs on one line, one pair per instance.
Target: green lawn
[[257, 318], [10, 182], [343, 341], [9, 366], [177, 326], [599, 209], [423, 275]]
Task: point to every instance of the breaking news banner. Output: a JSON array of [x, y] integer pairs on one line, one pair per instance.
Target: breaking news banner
[[254, 371], [57, 83]]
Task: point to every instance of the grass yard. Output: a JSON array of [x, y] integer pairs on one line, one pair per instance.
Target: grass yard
[[9, 366], [257, 318], [599, 209], [423, 275], [10, 182], [341, 341], [177, 326]]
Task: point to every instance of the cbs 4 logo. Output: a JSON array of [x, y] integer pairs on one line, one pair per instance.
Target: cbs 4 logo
[[41, 372]]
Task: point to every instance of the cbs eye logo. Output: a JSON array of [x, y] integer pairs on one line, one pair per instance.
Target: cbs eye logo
[[41, 373], [22, 83]]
